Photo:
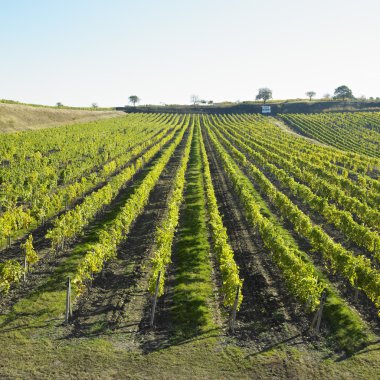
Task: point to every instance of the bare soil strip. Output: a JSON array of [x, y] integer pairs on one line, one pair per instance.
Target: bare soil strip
[[363, 305], [51, 262], [281, 124], [118, 301], [268, 314], [38, 233]]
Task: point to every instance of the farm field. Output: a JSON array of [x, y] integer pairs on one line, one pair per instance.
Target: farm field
[[355, 132], [257, 249]]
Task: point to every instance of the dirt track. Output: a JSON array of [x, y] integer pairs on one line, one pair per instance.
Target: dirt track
[[287, 129]]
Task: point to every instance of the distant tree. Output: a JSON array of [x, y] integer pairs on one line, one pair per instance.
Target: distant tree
[[134, 99], [194, 99], [203, 101], [326, 96], [210, 102], [362, 98], [59, 104], [343, 92], [310, 94], [94, 105], [264, 94]]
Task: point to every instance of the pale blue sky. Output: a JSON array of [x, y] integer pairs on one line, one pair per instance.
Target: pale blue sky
[[83, 51]]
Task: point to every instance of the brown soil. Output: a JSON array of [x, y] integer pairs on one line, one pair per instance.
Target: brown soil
[[14, 252], [50, 261], [268, 315], [363, 305], [118, 300]]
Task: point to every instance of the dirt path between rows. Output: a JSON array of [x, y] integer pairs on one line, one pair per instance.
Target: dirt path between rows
[[51, 261], [118, 301], [268, 315], [14, 251]]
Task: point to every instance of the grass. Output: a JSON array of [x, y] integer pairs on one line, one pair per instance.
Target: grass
[[57, 357], [20, 117], [191, 313], [8, 101]]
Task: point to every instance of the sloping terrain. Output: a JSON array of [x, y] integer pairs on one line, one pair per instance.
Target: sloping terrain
[[221, 209], [18, 117], [357, 132]]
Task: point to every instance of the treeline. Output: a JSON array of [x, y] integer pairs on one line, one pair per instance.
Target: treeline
[[318, 106]]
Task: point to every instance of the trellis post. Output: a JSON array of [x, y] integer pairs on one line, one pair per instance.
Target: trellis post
[[155, 299]]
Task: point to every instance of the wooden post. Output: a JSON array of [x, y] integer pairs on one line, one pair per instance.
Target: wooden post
[[356, 294], [233, 314], [68, 313], [25, 267], [9, 241], [155, 299], [314, 320], [316, 323], [323, 300]]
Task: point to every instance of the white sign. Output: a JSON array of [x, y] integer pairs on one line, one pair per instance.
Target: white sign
[[265, 109]]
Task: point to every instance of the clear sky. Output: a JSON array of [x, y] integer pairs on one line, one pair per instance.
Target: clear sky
[[83, 51]]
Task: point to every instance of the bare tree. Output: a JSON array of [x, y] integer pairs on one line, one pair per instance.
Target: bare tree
[[134, 99], [94, 105], [194, 99], [310, 94]]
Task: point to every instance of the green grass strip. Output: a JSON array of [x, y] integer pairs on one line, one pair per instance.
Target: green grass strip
[[192, 291]]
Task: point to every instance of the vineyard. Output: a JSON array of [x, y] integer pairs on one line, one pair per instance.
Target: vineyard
[[192, 245], [355, 132]]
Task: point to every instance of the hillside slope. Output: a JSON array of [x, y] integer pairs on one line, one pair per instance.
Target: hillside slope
[[16, 117]]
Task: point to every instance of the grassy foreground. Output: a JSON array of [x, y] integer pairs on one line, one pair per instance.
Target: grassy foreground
[[47, 355]]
